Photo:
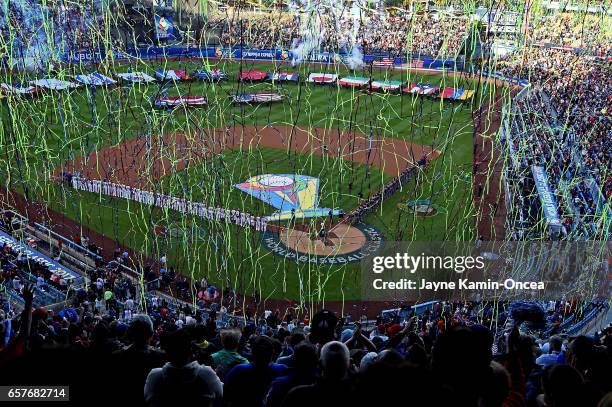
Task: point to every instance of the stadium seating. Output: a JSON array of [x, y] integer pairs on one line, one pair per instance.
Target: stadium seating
[[117, 326]]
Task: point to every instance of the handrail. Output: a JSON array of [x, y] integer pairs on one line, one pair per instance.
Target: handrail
[[69, 242]]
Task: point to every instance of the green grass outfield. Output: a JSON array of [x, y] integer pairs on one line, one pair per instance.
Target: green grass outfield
[[38, 135], [213, 180]]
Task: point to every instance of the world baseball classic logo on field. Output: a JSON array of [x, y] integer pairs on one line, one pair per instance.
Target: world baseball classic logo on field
[[351, 244]]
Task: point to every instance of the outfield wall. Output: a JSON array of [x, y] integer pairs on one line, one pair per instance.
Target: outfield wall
[[277, 55]]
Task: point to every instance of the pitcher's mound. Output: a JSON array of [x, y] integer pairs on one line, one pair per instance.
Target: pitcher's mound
[[342, 244], [342, 239]]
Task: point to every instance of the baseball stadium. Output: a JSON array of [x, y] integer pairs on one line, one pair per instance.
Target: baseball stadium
[[219, 190]]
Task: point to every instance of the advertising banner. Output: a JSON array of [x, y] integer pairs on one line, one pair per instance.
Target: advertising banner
[[165, 28], [549, 204]]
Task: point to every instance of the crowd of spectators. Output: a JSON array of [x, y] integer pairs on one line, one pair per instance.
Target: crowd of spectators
[[16, 270], [573, 30], [424, 34], [565, 118], [539, 141], [450, 354], [40, 31], [570, 120]]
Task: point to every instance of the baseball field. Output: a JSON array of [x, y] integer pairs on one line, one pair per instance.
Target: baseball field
[[352, 141]]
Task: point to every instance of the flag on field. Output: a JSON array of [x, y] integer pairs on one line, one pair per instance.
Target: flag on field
[[421, 89], [383, 62], [136, 77], [214, 75], [456, 93], [386, 85], [262, 97], [447, 93], [467, 94], [322, 78], [188, 101], [53, 84], [17, 89], [253, 76], [95, 79], [353, 81], [172, 75], [283, 76], [294, 196]]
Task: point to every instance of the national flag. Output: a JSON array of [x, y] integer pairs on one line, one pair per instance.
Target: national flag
[[322, 78], [252, 75], [457, 94], [421, 89], [428, 89], [53, 84], [136, 77], [95, 79], [262, 97], [213, 75], [18, 89], [451, 93], [353, 81], [266, 97], [193, 101], [172, 75], [467, 94], [283, 76], [386, 85]]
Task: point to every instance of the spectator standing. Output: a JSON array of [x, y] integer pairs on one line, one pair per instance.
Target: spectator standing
[[137, 359], [228, 357], [181, 382], [552, 358], [247, 384], [303, 372], [334, 387]]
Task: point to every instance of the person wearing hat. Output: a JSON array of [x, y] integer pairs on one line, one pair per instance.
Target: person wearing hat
[[394, 330]]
